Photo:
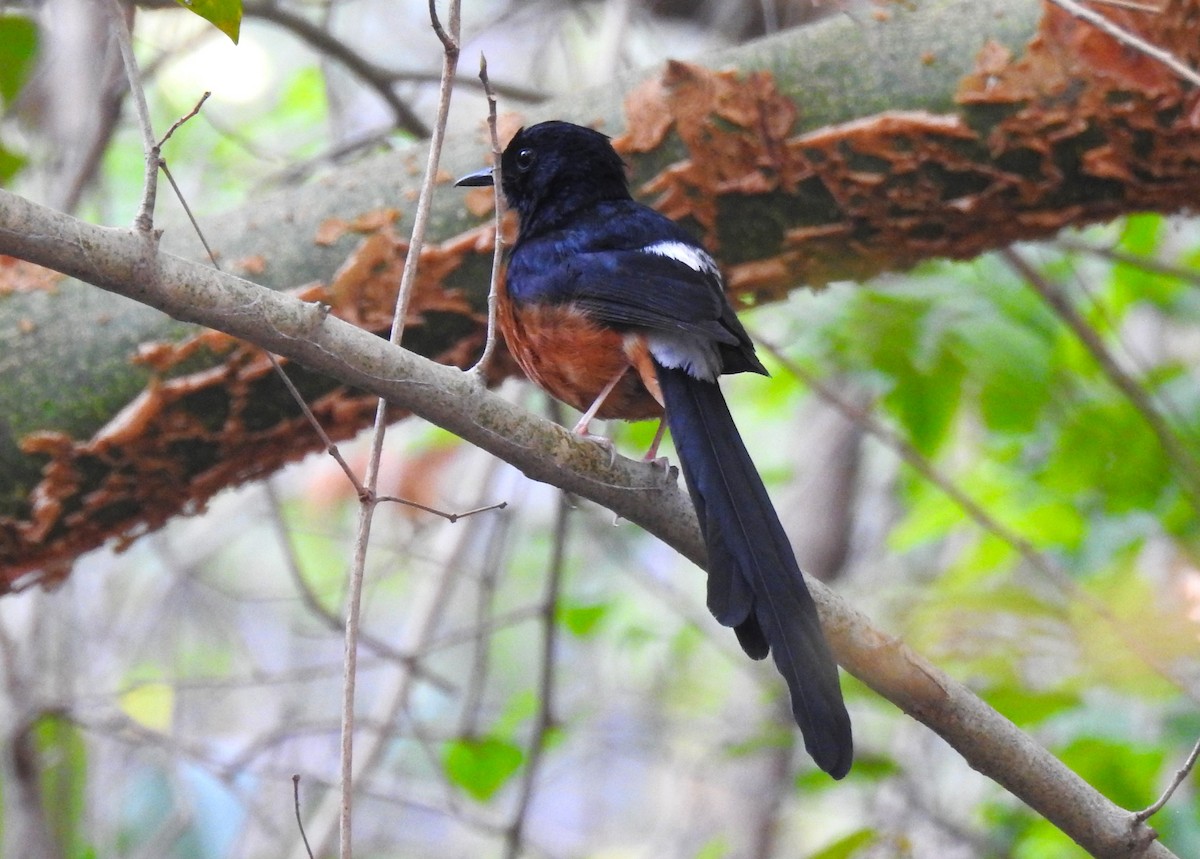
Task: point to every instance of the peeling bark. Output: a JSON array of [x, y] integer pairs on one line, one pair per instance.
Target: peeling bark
[[972, 124]]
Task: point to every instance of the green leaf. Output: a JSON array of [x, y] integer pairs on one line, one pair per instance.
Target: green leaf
[[1145, 628], [848, 845], [225, 15], [481, 765], [62, 757], [931, 514], [1025, 707], [867, 769], [1041, 839], [714, 848], [926, 402], [581, 620], [1142, 233], [1012, 362], [10, 164], [18, 47], [1106, 448], [521, 707], [907, 337], [150, 704], [1123, 772]]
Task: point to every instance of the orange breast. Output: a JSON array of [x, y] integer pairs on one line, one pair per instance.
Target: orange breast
[[572, 358]]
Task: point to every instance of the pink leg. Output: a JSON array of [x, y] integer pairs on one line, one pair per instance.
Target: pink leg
[[652, 453], [581, 428]]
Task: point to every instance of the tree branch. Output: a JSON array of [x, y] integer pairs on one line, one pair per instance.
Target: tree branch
[[125, 262]]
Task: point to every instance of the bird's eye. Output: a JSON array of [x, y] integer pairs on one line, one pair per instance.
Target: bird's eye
[[525, 159]]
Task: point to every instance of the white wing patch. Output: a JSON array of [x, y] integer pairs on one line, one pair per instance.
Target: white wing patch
[[698, 358], [689, 255]]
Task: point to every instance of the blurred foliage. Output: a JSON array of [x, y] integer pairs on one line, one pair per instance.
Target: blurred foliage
[[18, 51], [62, 749]]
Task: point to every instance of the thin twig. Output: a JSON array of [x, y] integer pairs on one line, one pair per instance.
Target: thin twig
[[331, 447], [299, 819], [544, 719], [449, 517], [1188, 275], [369, 501], [177, 124], [1134, 41], [327, 617], [485, 608], [1180, 774], [489, 345], [424, 198], [144, 221], [1189, 472], [188, 211]]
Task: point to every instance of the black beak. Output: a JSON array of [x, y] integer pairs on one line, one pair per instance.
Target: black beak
[[480, 178]]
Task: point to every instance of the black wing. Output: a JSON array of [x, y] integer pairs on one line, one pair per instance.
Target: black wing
[[605, 269]]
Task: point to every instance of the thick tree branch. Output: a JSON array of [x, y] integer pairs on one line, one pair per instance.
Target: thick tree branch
[[125, 262], [959, 136]]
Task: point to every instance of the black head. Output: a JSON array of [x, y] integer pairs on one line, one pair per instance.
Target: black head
[[555, 168]]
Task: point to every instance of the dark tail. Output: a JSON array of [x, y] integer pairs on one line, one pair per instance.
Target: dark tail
[[754, 583]]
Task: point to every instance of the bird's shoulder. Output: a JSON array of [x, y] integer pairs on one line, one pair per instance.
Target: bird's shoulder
[[620, 243]]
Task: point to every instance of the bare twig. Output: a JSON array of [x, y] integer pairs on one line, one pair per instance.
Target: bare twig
[[144, 221], [428, 606], [1180, 774], [350, 654], [1187, 275], [331, 447], [187, 210], [331, 620], [177, 124], [299, 819], [489, 345], [544, 718], [369, 500], [424, 198], [449, 517], [1134, 41]]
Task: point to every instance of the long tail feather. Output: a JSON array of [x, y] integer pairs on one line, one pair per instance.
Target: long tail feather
[[754, 582]]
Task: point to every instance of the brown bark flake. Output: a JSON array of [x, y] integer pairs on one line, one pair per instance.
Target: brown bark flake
[[214, 415], [17, 275], [1078, 127]]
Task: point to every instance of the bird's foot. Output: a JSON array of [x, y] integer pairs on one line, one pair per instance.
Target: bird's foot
[[581, 429], [657, 461]]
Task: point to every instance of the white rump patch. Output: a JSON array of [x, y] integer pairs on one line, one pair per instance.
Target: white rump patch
[[692, 257], [698, 358]]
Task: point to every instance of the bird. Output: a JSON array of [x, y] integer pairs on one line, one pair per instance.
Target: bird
[[619, 312]]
